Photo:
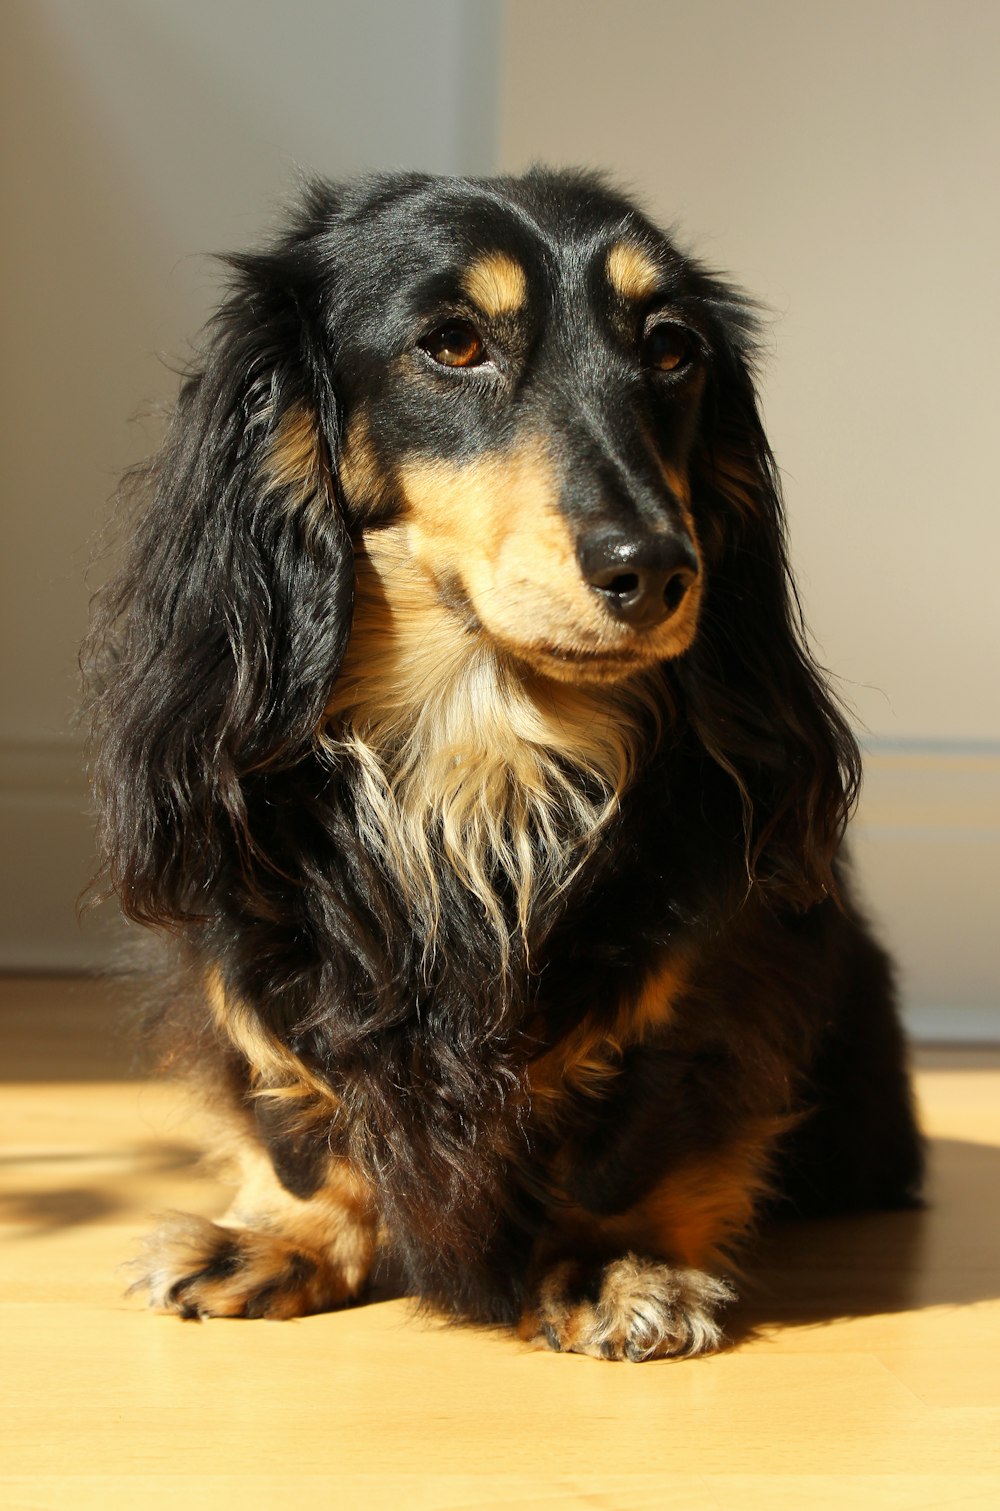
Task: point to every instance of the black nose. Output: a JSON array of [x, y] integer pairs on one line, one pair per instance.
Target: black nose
[[642, 577]]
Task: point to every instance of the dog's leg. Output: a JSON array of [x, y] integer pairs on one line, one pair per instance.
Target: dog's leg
[[273, 1254], [642, 1283]]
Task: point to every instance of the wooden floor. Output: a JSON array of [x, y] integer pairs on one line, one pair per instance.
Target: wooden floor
[[866, 1372]]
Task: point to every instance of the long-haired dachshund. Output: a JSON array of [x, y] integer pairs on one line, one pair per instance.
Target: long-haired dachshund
[[453, 712]]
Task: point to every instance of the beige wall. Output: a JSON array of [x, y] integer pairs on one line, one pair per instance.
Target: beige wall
[[139, 135], [841, 161]]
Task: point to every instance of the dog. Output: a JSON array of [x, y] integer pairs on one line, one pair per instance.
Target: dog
[[454, 717]]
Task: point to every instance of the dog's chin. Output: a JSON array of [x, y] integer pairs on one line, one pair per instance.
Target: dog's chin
[[581, 666]]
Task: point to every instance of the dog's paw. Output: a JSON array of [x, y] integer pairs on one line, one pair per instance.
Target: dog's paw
[[632, 1308], [196, 1269]]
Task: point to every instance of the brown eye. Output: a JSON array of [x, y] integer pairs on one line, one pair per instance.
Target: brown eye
[[455, 344], [668, 348]]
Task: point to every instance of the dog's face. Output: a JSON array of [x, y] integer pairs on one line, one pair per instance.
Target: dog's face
[[519, 367]]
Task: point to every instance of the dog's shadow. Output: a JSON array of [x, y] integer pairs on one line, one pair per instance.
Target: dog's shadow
[[947, 1253], [800, 1273]]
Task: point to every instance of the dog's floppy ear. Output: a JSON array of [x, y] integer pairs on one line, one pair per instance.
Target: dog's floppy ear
[[754, 694], [214, 648]]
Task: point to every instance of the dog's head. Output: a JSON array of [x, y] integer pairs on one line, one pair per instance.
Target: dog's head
[[515, 395], [519, 368]]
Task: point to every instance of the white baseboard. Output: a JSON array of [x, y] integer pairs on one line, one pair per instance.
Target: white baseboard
[[47, 861], [938, 1023], [926, 846]]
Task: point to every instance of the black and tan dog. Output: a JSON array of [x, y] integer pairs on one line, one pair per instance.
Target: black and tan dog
[[453, 711]]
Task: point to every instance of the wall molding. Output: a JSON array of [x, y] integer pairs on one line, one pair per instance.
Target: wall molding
[[47, 860], [930, 785], [53, 765], [926, 846]]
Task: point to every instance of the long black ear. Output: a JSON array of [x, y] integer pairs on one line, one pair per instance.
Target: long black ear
[[214, 648], [753, 693]]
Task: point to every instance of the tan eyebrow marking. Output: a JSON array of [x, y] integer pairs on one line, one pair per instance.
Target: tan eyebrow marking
[[497, 284], [631, 271]]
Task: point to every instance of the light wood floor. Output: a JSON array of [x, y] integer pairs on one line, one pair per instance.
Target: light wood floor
[[867, 1375]]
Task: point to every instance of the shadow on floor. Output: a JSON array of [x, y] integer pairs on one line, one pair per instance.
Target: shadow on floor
[[803, 1273], [39, 1213], [798, 1273]]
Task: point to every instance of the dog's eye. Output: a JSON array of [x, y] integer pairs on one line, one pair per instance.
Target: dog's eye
[[455, 344], [668, 348]]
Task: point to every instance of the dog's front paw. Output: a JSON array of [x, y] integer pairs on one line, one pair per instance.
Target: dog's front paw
[[198, 1269], [631, 1308]]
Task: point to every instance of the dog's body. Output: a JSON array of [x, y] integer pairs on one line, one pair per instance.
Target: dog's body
[[452, 709]]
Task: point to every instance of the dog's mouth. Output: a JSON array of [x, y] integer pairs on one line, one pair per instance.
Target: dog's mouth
[[566, 653], [571, 664], [568, 656], [563, 662]]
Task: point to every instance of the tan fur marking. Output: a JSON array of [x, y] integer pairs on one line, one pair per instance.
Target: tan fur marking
[[274, 1070], [654, 1005], [494, 527], [295, 466], [337, 1221], [568, 1321], [495, 524], [694, 1214], [451, 739], [294, 460], [631, 271], [496, 284], [587, 1059], [678, 484], [361, 479], [468, 730], [271, 1255], [739, 480]]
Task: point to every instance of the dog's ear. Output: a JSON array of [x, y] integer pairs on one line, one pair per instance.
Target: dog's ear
[[215, 646], [754, 694]]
